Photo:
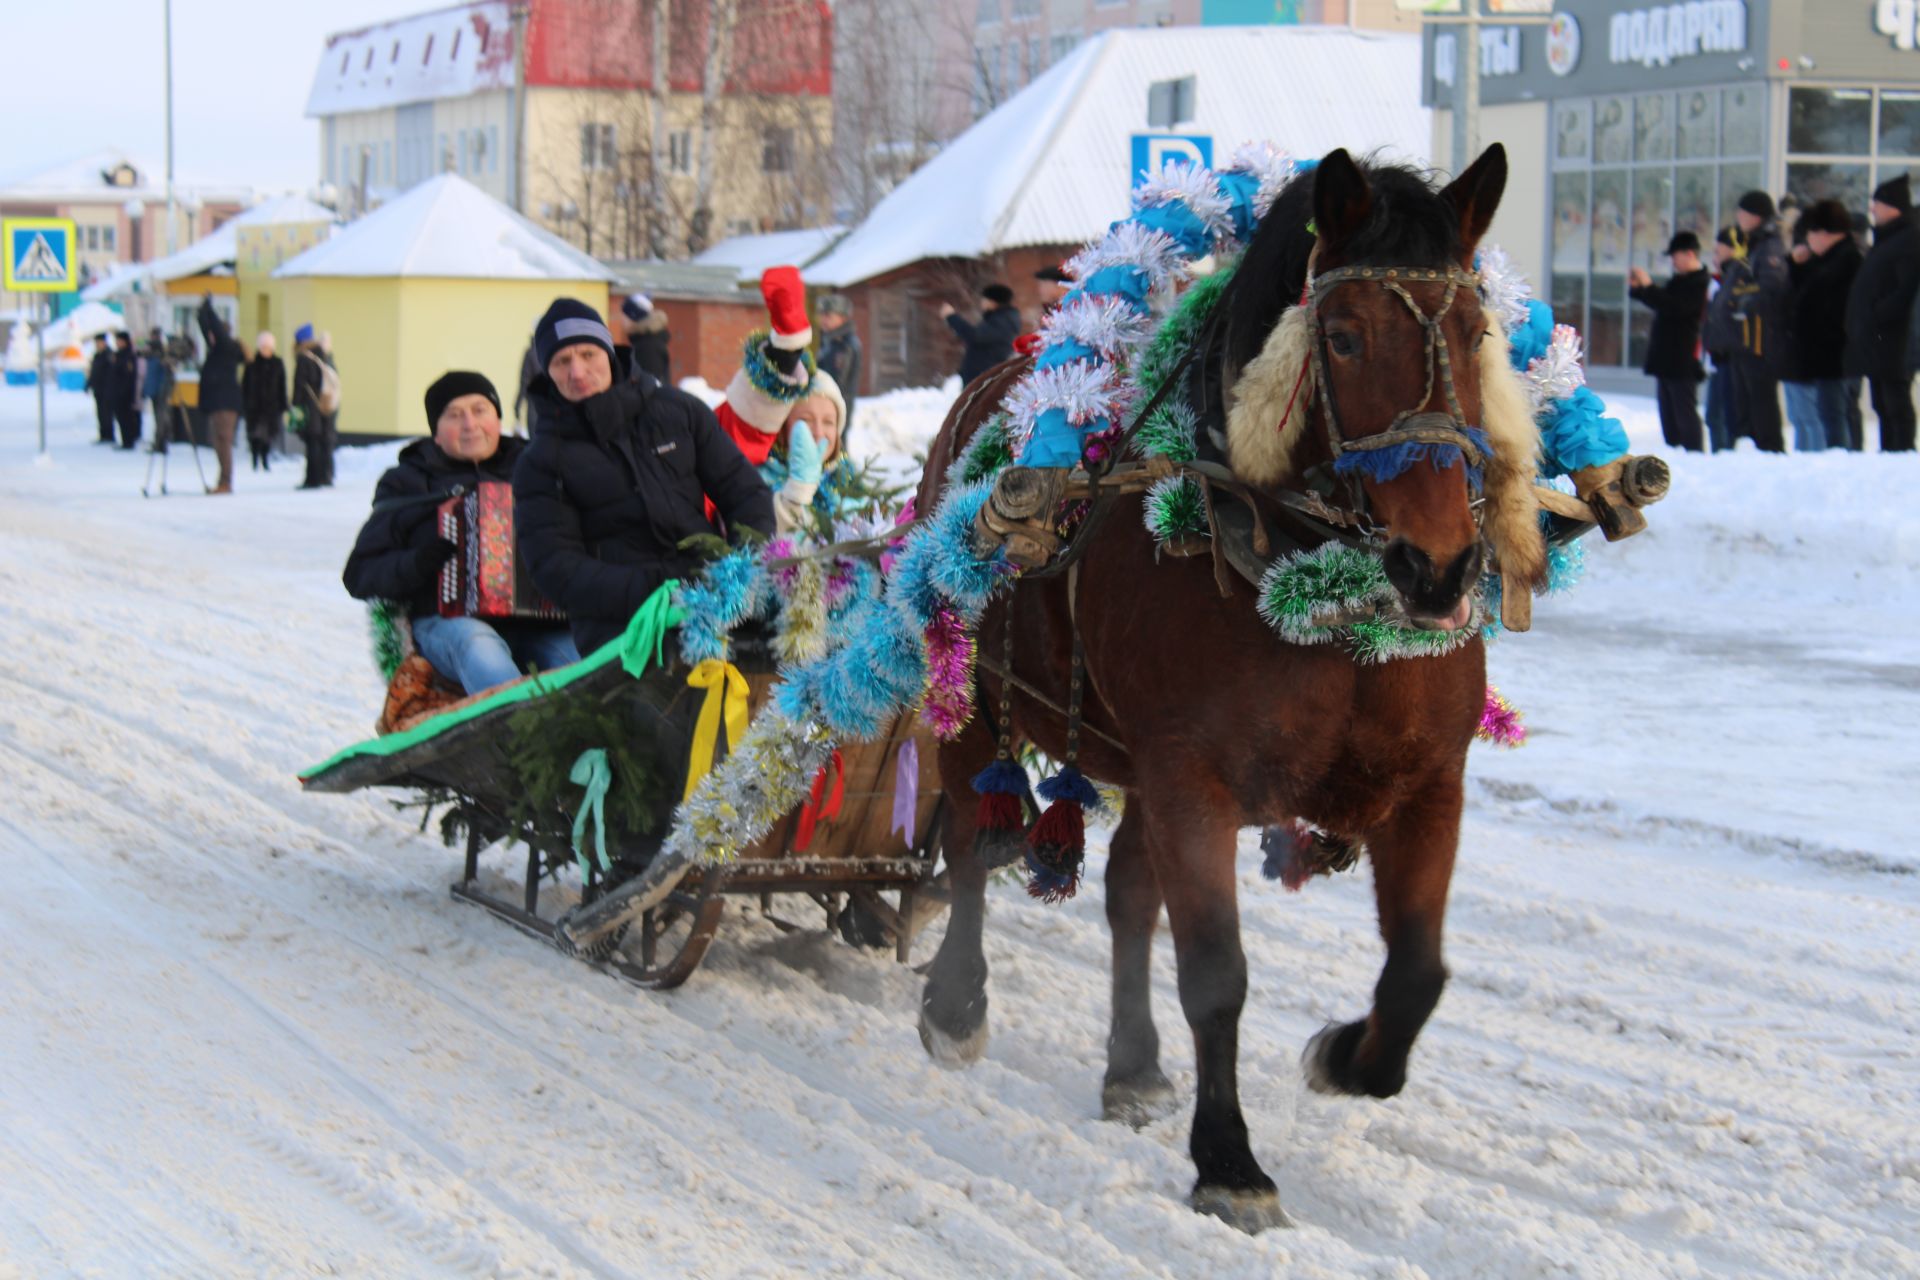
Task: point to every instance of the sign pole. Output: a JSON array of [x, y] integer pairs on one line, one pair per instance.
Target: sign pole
[[40, 374]]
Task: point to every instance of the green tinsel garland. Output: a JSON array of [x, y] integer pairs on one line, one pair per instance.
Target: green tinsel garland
[[1178, 332], [990, 450], [1175, 507], [1301, 591], [384, 620]]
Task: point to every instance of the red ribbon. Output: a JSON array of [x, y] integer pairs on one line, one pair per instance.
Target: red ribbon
[[815, 809]]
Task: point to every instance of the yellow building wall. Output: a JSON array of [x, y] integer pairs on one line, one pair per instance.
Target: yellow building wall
[[393, 337]]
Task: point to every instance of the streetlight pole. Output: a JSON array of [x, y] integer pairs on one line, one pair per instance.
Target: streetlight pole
[[168, 12], [517, 127], [1466, 89]]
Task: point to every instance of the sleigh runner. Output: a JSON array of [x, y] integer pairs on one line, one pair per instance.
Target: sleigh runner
[[863, 846]]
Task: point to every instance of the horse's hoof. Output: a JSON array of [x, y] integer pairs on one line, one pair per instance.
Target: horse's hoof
[[1137, 1103], [1248, 1211], [952, 1051], [1329, 1048]]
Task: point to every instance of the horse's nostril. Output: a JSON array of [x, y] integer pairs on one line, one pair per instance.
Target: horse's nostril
[[1407, 567], [1465, 570]]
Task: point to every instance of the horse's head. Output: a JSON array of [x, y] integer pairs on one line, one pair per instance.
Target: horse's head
[[1380, 323]]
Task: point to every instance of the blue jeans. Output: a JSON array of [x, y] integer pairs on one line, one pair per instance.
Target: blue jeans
[[1818, 410], [480, 655], [1719, 408]]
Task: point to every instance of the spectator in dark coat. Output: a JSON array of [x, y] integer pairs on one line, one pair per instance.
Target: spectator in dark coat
[[220, 396], [989, 340], [156, 388], [647, 337], [399, 553], [617, 478], [126, 389], [1760, 288], [100, 383], [1673, 348], [526, 411], [1822, 272], [1878, 311], [840, 353], [317, 427], [1721, 338], [263, 392]]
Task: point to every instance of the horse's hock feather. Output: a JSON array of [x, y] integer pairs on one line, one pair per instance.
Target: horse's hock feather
[[1511, 517], [1271, 403]]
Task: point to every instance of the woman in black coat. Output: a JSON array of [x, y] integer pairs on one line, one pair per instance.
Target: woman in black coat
[[1878, 310], [990, 339], [263, 395], [1822, 273]]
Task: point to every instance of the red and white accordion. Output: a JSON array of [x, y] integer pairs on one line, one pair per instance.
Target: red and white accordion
[[486, 576]]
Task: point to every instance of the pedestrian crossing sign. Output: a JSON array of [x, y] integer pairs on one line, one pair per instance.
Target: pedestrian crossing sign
[[37, 255]]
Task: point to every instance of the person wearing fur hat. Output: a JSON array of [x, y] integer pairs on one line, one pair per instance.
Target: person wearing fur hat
[[1879, 309], [647, 337], [1825, 262], [989, 340], [840, 353], [787, 415], [617, 478], [399, 553]]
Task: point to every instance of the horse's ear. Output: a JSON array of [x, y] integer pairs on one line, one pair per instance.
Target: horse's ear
[[1476, 193], [1341, 198]]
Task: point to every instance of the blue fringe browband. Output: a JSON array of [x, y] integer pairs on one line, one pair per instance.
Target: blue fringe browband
[[1381, 465]]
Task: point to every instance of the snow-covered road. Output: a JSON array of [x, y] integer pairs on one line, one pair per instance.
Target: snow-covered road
[[244, 1031]]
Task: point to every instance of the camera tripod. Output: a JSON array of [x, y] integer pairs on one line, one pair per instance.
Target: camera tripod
[[175, 430]]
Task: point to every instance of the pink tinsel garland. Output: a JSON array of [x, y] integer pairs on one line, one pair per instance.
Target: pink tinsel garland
[[950, 652], [1500, 722]]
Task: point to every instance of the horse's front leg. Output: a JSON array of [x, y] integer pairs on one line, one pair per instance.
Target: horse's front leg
[[1193, 853], [953, 1005], [1135, 1090], [1412, 867]]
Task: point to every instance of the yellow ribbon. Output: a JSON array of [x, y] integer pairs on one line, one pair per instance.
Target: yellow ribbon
[[726, 692]]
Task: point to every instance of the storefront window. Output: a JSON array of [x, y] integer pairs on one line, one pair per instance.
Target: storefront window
[[1653, 126], [1693, 201], [1570, 223], [1808, 181], [1899, 123], [1735, 181], [1652, 224], [1697, 124], [1612, 131], [1829, 121], [1571, 123], [1609, 221], [1742, 113]]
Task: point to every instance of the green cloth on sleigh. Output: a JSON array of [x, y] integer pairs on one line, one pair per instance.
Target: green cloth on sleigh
[[641, 646]]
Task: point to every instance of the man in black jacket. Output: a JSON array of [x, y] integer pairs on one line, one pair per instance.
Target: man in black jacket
[[399, 553], [617, 477], [1721, 338], [1878, 308], [840, 353], [990, 339], [1822, 271], [647, 338], [220, 388], [126, 389], [100, 383], [1673, 348], [1759, 287]]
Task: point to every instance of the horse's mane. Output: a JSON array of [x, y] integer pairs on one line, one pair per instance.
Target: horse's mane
[[1410, 225]]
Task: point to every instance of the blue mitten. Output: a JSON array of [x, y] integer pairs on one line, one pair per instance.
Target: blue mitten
[[804, 464]]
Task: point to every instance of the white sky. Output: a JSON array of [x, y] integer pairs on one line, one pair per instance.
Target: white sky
[[79, 77]]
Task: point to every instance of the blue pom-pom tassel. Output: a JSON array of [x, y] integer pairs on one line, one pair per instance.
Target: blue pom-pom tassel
[[1057, 845]]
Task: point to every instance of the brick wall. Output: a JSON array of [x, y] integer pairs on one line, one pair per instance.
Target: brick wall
[[708, 333]]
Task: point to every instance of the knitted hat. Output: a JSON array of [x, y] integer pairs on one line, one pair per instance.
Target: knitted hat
[[449, 387], [1829, 216], [834, 304], [1759, 204], [786, 298], [1683, 242], [1895, 193], [569, 322], [636, 307], [998, 294], [825, 387], [303, 334]]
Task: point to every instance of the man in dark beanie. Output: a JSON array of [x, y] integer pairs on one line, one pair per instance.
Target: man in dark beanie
[[1879, 311], [399, 553], [1721, 338], [1759, 286], [647, 337], [1673, 348], [989, 340], [617, 477], [1825, 262]]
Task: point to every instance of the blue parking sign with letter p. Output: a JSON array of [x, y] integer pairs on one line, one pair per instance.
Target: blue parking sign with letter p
[[1151, 151]]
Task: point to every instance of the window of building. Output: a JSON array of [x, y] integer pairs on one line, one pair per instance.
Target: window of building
[[596, 146], [1844, 142], [107, 237], [988, 14], [395, 55], [386, 163], [1170, 102], [1628, 172], [680, 151], [346, 165], [1061, 45], [93, 237], [443, 157], [453, 54], [1036, 57], [1025, 8], [367, 63], [426, 54], [460, 151], [493, 148], [776, 150], [343, 61]]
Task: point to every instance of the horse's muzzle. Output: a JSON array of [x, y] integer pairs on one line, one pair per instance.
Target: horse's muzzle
[[1435, 599]]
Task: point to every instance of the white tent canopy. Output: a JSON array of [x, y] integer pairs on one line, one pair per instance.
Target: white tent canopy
[[1053, 164], [446, 227]]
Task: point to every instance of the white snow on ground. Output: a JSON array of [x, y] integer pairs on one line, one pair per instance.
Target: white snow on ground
[[244, 1031]]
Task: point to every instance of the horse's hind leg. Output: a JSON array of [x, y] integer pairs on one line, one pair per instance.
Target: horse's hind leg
[[953, 1006], [1135, 1090], [1412, 865], [1193, 852]]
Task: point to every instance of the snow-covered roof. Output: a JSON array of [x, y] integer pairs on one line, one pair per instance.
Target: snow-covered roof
[[448, 53], [751, 255], [446, 227], [1052, 165], [86, 179], [209, 251]]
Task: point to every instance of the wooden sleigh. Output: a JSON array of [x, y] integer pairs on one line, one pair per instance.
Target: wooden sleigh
[[875, 885]]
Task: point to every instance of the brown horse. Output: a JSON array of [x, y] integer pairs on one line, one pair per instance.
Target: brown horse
[[1227, 727]]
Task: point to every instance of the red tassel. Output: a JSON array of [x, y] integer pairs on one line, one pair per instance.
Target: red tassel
[[1063, 826], [999, 811]]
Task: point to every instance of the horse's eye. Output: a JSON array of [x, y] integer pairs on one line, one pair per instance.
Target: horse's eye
[[1342, 343], [1479, 338]]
